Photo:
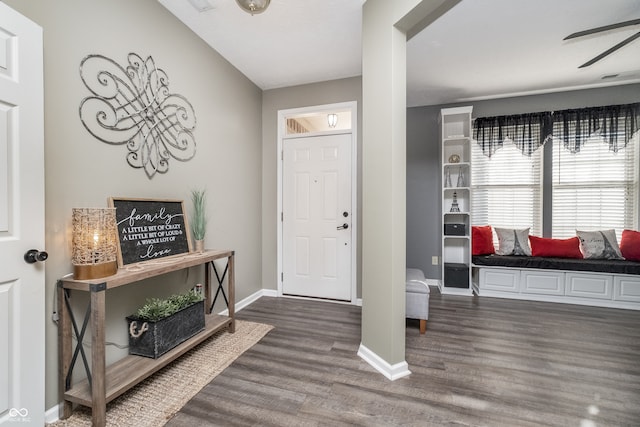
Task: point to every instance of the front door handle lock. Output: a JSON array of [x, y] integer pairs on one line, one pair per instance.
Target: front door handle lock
[[343, 226]]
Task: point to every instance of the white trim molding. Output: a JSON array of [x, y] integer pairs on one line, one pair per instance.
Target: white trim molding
[[251, 299], [392, 372], [53, 414]]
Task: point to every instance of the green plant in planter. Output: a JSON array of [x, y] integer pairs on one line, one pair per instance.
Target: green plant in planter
[[156, 309], [199, 214]]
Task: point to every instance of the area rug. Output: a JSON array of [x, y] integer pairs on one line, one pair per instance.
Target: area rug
[[158, 398]]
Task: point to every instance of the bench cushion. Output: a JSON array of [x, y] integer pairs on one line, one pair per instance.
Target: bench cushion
[[611, 266]]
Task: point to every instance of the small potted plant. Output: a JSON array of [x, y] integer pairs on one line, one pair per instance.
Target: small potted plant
[[199, 218], [161, 324]]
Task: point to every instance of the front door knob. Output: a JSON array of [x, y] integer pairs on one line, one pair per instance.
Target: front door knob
[[343, 226], [33, 255]]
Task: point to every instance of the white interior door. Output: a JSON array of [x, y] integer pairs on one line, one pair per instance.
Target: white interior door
[[22, 311], [317, 214]]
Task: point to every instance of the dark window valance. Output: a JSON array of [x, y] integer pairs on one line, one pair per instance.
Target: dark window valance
[[525, 131], [613, 124]]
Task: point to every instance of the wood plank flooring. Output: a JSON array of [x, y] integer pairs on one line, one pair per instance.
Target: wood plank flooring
[[482, 362]]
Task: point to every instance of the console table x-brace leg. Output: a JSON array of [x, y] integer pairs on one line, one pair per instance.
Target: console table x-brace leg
[[79, 337], [220, 288]]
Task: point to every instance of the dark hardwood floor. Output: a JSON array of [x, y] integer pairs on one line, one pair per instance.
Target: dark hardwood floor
[[482, 362]]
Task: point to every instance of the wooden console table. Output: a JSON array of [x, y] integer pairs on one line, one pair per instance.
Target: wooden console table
[[105, 383]]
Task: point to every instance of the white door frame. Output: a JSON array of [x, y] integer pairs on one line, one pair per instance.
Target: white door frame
[[328, 108]]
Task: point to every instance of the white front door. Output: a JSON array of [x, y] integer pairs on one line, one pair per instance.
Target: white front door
[[317, 214], [22, 310]]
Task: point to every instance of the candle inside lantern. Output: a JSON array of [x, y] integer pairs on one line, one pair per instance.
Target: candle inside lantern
[[96, 247], [94, 242]]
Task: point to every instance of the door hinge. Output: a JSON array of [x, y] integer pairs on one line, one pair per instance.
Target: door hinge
[[281, 216], [282, 277], [282, 155]]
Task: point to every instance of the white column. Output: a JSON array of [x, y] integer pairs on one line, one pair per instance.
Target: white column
[[384, 34]]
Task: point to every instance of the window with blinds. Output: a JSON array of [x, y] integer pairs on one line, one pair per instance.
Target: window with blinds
[[594, 189], [507, 188]]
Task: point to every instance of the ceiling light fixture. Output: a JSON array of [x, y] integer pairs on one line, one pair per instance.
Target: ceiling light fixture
[[253, 6], [201, 5], [332, 120]]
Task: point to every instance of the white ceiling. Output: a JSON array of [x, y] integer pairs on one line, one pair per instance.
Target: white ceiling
[[480, 49]]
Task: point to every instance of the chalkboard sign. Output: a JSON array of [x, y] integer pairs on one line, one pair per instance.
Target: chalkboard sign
[[150, 229]]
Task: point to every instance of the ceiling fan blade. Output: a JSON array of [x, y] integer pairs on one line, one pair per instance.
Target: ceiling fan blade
[[611, 50], [600, 29]]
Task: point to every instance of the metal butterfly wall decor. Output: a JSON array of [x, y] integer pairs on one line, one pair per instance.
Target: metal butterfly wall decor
[[132, 106]]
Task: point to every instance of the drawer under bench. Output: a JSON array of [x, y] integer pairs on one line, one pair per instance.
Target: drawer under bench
[[572, 287]]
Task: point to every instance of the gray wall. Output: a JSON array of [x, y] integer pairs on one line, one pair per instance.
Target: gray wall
[[423, 158], [423, 189], [83, 172], [334, 91]]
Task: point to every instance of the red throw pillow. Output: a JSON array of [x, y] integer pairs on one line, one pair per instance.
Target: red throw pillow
[[557, 248], [482, 240], [630, 245]]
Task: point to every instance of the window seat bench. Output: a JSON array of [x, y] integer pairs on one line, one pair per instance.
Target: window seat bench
[[604, 283]]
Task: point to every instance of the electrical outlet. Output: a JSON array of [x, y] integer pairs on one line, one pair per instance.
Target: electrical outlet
[[434, 260]]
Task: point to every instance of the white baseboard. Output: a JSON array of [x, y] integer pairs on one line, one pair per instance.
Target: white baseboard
[[250, 299], [356, 302], [272, 293], [53, 414], [392, 372]]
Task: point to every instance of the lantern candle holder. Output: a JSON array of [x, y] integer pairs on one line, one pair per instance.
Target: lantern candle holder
[[94, 243]]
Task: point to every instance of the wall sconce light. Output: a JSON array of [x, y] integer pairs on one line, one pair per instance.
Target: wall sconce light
[[253, 6], [94, 243], [332, 120]]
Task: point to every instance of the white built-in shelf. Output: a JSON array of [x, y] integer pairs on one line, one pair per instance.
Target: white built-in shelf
[[456, 128]]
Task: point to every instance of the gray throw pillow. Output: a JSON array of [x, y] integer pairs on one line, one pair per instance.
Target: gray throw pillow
[[601, 244], [513, 242]]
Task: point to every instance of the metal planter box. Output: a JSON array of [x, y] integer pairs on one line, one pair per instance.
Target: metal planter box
[[164, 334]]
